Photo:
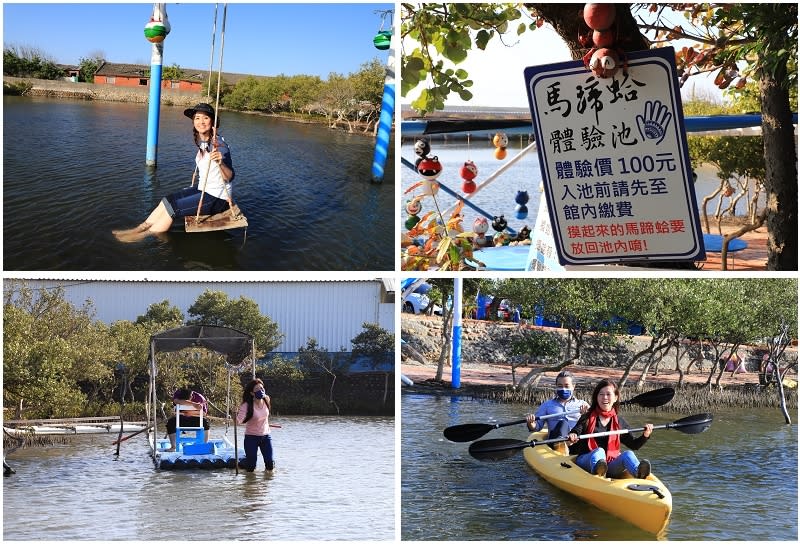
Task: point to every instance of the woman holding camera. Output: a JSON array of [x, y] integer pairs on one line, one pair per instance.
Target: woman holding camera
[[254, 412]]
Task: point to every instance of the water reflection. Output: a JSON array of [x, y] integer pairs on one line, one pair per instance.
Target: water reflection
[[305, 191], [79, 491]]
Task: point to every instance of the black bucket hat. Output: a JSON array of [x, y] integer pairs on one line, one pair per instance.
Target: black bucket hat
[[202, 108]]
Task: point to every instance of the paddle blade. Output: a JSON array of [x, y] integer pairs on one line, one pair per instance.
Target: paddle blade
[[496, 449], [655, 398], [697, 423], [467, 432]]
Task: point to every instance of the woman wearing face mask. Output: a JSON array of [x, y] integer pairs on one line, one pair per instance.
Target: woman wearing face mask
[[564, 404], [602, 455], [254, 412]]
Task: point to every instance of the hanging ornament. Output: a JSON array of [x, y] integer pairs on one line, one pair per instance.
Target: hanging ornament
[[383, 40], [421, 148], [413, 208], [468, 173], [727, 189], [429, 168], [603, 57], [500, 142], [604, 62], [599, 16], [480, 227], [521, 210]]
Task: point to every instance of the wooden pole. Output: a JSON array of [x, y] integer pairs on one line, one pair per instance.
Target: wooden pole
[[236, 443], [119, 437]]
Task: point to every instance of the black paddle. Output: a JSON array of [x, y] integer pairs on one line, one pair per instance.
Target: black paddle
[[500, 449], [469, 432]]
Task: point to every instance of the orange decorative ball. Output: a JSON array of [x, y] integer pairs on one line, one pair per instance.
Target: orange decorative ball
[[500, 153], [599, 16], [603, 38]]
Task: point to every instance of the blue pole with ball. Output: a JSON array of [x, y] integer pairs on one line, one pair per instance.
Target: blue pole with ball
[[387, 109], [155, 32], [457, 327]]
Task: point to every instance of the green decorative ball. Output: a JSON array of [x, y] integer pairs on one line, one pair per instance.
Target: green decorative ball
[[383, 40], [412, 222], [155, 32]]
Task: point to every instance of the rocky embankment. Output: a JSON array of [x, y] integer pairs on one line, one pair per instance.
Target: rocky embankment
[[90, 91], [486, 342], [486, 369]]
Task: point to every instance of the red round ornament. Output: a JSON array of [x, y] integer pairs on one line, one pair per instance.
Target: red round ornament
[[599, 16]]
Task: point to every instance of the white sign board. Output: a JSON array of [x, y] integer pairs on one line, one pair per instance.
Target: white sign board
[[615, 164], [543, 255]]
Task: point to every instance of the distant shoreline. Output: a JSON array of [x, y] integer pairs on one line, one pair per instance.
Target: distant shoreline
[[59, 89]]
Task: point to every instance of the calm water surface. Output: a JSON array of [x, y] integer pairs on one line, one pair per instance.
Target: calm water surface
[[334, 481], [736, 481], [498, 197], [75, 170]]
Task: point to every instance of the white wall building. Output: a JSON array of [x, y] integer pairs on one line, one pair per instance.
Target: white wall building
[[330, 311]]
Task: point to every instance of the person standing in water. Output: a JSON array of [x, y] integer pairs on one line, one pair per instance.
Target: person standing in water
[[254, 412], [215, 166]]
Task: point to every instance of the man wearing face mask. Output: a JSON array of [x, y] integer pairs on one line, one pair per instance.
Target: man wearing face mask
[[563, 404]]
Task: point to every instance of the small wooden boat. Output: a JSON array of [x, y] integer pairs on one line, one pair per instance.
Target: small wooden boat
[[645, 503]]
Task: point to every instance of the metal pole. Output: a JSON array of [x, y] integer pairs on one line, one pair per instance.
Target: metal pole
[[156, 60], [387, 116], [153, 397], [457, 304]]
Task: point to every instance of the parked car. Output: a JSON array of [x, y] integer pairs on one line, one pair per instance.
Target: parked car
[[415, 303]]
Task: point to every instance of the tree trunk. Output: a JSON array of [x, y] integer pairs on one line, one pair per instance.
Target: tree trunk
[[447, 334], [634, 360], [532, 379], [678, 363], [780, 182]]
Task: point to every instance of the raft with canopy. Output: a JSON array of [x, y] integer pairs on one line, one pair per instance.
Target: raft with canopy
[[191, 449]]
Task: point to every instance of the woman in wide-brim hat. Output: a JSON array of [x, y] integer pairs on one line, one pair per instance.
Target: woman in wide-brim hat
[[214, 164]]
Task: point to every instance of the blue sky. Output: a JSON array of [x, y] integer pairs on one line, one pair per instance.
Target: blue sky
[[260, 39]]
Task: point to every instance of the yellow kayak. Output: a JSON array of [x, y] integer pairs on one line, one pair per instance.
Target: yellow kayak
[[645, 503]]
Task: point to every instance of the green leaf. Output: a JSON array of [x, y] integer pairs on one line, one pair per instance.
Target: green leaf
[[413, 63], [465, 95], [521, 29], [455, 54], [482, 38]]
